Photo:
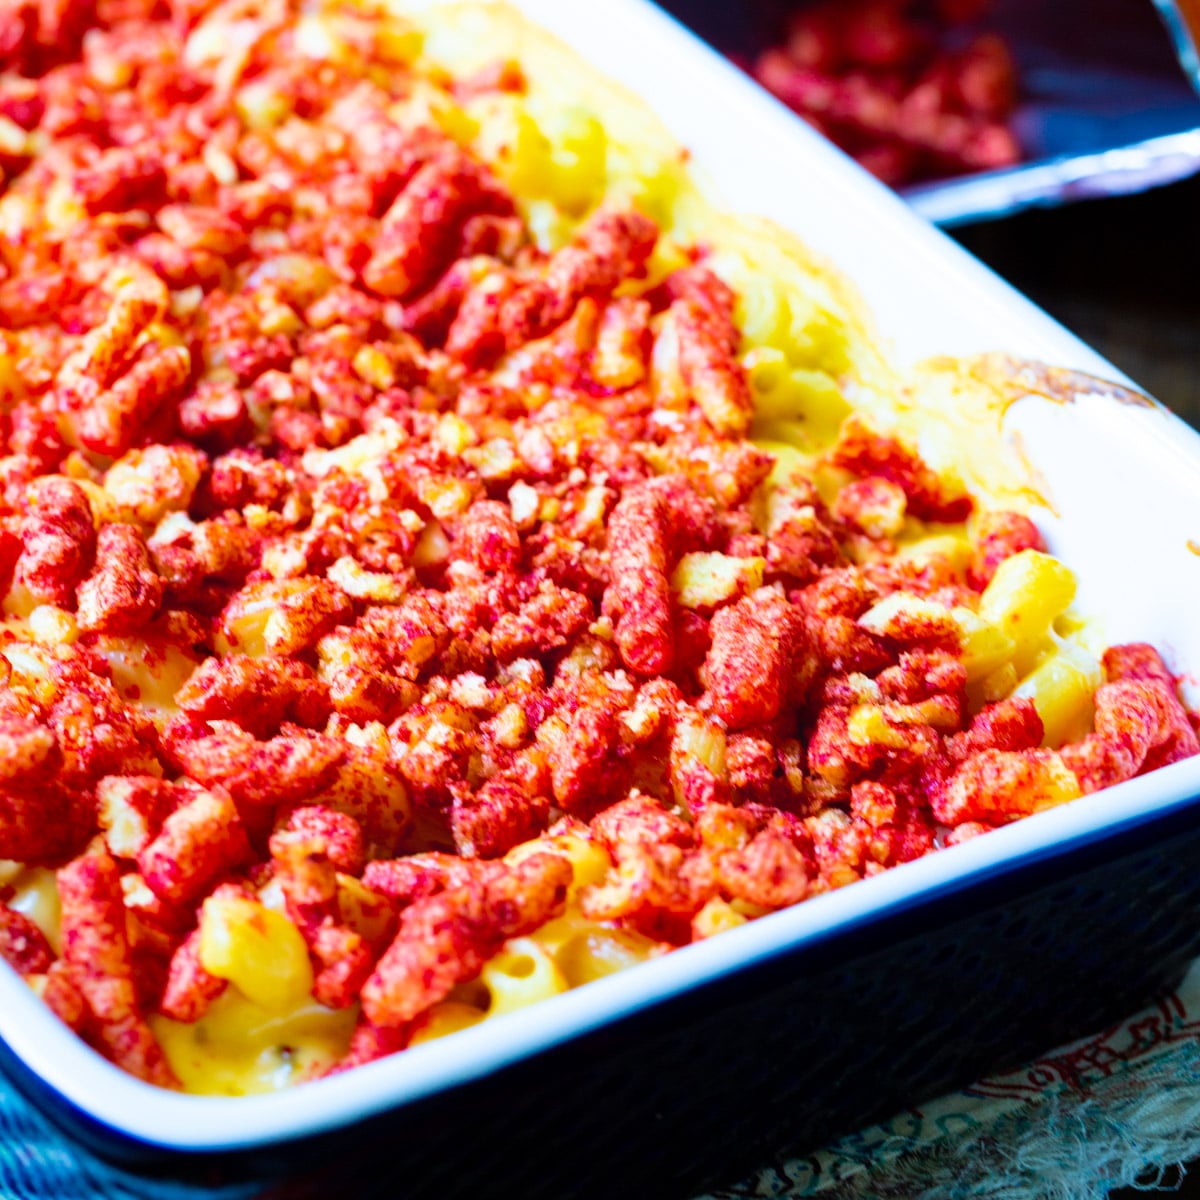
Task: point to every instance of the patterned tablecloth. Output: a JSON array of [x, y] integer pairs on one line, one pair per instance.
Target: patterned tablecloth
[[1119, 1108]]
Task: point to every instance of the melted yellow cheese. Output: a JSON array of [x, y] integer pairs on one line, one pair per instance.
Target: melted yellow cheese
[[241, 1049], [444, 1019], [148, 670], [36, 896]]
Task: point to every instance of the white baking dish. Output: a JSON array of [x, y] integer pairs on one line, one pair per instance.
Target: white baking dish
[[1124, 480]]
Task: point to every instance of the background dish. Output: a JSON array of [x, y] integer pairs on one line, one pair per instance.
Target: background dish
[[1107, 106]]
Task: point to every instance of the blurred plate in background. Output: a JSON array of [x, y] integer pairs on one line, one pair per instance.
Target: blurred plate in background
[[1106, 104]]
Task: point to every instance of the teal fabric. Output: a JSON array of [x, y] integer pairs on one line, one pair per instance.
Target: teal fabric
[[39, 1163]]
